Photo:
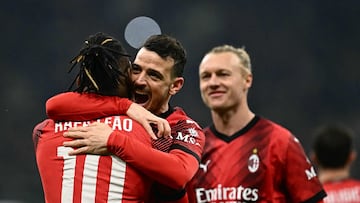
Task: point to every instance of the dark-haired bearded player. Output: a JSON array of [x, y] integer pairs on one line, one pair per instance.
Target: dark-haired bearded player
[[157, 75], [246, 158]]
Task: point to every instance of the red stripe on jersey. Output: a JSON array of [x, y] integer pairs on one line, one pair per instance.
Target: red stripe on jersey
[[79, 172], [102, 188]]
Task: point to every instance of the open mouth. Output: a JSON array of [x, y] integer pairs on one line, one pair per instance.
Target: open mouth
[[141, 98]]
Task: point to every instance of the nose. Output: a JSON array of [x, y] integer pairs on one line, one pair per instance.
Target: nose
[[213, 81], [139, 79]]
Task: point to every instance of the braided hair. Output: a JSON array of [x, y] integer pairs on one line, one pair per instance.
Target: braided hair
[[103, 67]]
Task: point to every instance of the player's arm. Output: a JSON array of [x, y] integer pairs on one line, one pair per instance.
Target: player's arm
[[173, 169], [85, 106]]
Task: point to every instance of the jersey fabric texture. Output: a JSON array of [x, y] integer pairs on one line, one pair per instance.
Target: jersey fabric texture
[[88, 178], [263, 162], [344, 191], [171, 170]]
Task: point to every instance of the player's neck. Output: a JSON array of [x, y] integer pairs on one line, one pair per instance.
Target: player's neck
[[231, 121], [333, 175]]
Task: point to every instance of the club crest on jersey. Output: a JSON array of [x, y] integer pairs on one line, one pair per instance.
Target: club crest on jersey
[[254, 161]]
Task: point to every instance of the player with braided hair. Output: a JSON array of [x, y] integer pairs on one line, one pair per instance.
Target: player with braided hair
[[102, 52], [103, 73], [157, 75]]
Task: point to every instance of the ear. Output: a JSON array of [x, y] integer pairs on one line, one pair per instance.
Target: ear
[[176, 85], [352, 157], [248, 80]]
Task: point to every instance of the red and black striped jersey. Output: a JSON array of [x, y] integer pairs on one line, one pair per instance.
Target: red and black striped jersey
[[263, 162]]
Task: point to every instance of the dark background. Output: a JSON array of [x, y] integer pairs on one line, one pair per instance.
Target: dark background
[[305, 57]]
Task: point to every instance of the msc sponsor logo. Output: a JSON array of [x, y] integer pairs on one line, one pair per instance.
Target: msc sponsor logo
[[227, 194], [188, 138]]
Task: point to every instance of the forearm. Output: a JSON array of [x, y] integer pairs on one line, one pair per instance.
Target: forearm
[[172, 169], [85, 106]]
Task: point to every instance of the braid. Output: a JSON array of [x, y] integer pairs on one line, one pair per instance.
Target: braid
[[103, 66]]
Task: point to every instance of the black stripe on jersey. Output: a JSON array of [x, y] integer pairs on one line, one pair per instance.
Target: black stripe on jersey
[[167, 194], [319, 196], [242, 131], [167, 113], [182, 148]]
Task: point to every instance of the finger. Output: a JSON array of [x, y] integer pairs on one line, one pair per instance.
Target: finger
[[167, 129], [78, 151], [164, 128], [149, 129], [74, 134], [161, 129], [78, 129], [74, 143], [93, 124]]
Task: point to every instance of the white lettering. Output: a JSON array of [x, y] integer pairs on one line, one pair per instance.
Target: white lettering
[[343, 195], [127, 124], [185, 138], [226, 194], [58, 127], [115, 122], [108, 120], [310, 173]]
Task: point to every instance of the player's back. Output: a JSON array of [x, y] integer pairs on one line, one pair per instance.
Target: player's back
[[87, 178], [344, 191]]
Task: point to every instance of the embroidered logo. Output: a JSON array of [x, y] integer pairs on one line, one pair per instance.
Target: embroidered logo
[[204, 167], [254, 161]]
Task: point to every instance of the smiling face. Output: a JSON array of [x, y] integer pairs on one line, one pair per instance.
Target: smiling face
[[153, 81], [224, 83]]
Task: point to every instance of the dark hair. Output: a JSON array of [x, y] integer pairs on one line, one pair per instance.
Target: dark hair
[[332, 145], [167, 46], [103, 67]]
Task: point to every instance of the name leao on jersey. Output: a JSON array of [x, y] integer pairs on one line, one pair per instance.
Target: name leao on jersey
[[115, 122], [227, 194]]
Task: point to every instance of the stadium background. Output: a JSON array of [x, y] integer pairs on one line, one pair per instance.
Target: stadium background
[[305, 57]]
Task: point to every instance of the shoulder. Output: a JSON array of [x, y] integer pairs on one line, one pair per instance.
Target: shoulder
[[40, 126], [274, 128], [178, 112], [276, 135], [39, 129], [179, 116]]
